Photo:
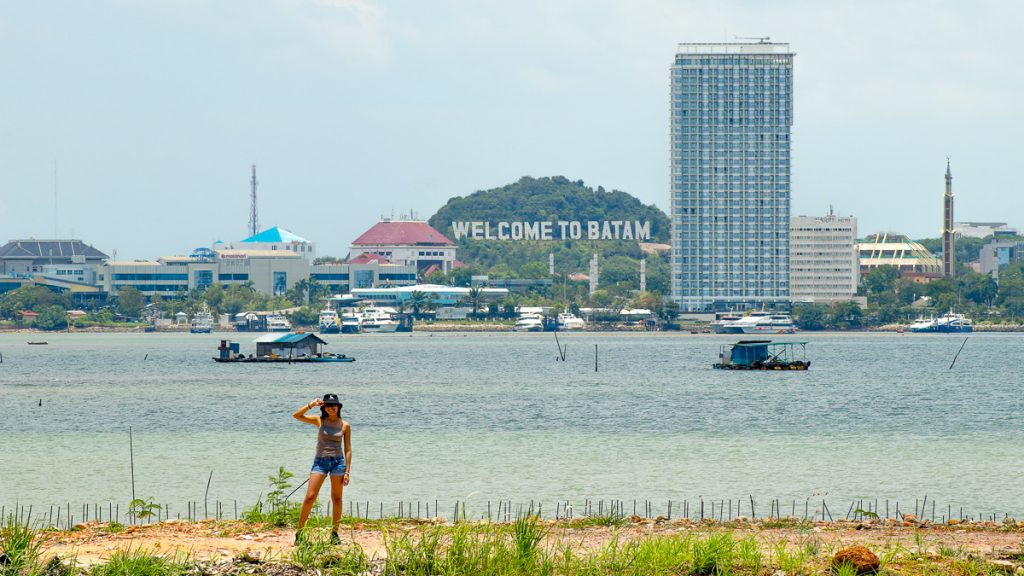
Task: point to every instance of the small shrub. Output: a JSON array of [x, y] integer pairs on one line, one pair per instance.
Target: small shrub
[[278, 510]]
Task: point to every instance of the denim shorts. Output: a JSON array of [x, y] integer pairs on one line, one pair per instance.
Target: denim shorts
[[329, 465]]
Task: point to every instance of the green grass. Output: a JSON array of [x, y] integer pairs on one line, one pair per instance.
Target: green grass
[[142, 562], [315, 552], [527, 546], [22, 548]]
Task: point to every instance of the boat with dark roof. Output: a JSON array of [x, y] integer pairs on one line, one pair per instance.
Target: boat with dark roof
[[763, 355], [291, 348]]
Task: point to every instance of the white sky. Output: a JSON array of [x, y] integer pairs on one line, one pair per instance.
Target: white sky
[[154, 110]]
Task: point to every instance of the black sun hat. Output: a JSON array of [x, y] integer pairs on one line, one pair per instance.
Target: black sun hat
[[332, 400]]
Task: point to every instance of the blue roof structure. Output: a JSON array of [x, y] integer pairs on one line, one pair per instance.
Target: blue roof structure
[[289, 338], [276, 234]]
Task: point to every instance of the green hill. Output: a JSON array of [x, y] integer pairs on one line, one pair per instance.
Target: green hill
[[549, 200]]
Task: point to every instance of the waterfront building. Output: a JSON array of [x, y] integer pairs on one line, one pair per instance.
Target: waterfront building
[[948, 236], [439, 295], [731, 119], [824, 262], [407, 242], [29, 257], [891, 249], [997, 254], [514, 285], [369, 273], [984, 229], [266, 271], [272, 239]]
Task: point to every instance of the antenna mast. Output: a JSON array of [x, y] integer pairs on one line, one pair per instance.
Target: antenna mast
[[55, 235], [254, 220]]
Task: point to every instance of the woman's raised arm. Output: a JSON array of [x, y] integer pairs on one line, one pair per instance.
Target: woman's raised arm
[[301, 416]]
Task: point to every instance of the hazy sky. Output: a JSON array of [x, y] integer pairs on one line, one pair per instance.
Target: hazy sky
[[153, 111]]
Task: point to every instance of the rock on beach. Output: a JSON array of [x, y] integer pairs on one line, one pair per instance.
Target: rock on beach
[[860, 558]]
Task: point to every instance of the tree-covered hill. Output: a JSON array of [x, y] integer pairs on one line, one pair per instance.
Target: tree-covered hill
[[557, 199], [551, 200]]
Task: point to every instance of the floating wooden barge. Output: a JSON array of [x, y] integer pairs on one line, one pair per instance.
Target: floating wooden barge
[[291, 348], [763, 355]]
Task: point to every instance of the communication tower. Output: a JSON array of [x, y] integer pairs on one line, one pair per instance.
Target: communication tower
[[254, 220]]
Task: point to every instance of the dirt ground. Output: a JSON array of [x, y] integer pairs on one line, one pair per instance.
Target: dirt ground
[[94, 543]]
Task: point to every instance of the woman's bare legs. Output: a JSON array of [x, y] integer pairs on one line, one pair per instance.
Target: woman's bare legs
[[312, 490], [336, 490]]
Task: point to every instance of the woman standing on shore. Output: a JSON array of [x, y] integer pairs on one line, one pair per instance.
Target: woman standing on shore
[[333, 458]]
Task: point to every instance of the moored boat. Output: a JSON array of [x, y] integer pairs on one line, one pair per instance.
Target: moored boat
[[330, 322], [948, 323], [202, 322], [529, 322], [291, 348], [377, 320], [278, 323], [755, 323], [569, 321], [763, 355]]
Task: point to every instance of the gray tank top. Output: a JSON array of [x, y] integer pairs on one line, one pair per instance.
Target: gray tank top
[[328, 440]]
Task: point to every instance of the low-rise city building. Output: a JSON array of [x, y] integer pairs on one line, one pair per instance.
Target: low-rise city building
[[997, 254], [984, 229], [29, 257], [266, 271], [409, 242], [273, 239], [824, 261]]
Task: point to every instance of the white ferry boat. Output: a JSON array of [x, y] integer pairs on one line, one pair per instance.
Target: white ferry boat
[[948, 323], [278, 323], [570, 321], [330, 322], [723, 323], [529, 322], [351, 323], [758, 323], [378, 320], [202, 322]]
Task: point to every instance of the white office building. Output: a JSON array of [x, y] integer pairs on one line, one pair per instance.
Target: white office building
[[824, 260]]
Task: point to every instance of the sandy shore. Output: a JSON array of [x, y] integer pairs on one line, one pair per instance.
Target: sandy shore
[[216, 541]]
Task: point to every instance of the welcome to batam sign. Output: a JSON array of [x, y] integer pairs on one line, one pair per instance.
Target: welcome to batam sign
[[560, 230]]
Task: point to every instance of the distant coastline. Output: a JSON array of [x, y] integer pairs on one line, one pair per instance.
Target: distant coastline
[[481, 327]]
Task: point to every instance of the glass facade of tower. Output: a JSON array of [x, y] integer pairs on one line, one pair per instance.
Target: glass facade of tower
[[732, 112]]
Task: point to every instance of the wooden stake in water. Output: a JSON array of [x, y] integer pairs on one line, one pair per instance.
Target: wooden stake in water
[[206, 509], [595, 357], [957, 354], [131, 456]]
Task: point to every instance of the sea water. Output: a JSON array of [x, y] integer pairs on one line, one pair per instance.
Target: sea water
[[488, 417]]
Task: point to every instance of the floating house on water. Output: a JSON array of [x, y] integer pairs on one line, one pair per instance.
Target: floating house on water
[[291, 347]]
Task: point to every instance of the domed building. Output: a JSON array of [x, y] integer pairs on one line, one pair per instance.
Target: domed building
[[891, 249]]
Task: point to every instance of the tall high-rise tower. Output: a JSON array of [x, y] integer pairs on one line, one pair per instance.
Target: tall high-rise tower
[[948, 241], [732, 113]]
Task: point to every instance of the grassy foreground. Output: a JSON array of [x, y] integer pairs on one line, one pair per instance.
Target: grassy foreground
[[527, 546]]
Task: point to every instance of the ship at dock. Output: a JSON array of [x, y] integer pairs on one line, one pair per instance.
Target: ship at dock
[[202, 322], [330, 322], [755, 323], [948, 323]]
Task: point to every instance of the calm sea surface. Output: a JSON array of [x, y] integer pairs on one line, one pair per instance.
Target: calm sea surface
[[495, 416]]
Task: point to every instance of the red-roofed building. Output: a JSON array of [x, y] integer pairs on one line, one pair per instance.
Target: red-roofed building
[[366, 258], [409, 242]]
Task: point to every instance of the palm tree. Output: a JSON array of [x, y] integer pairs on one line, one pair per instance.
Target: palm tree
[[418, 300], [475, 298]]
